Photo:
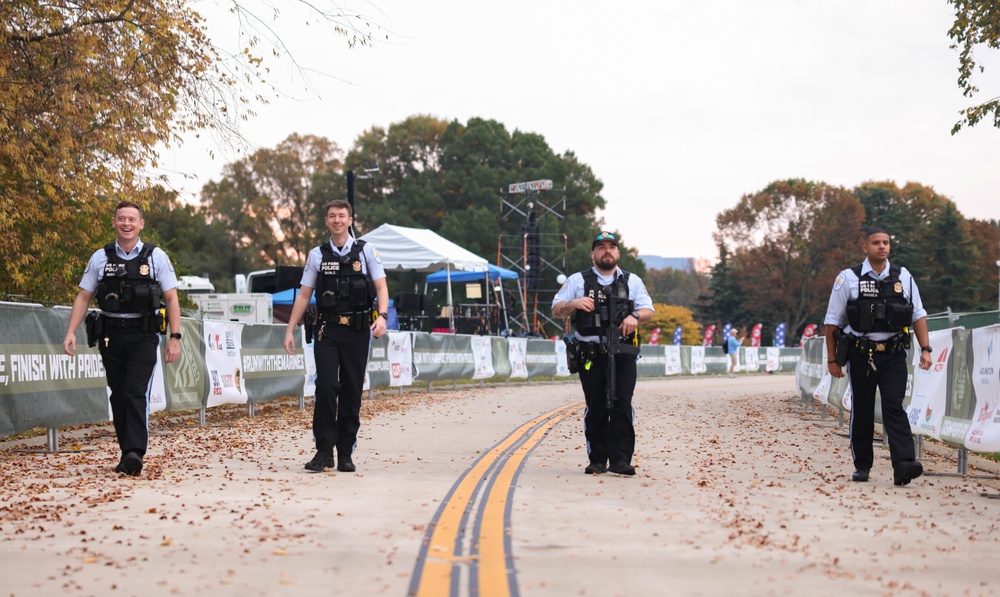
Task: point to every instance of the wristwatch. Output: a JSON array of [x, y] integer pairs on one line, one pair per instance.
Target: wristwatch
[[384, 315], [635, 314], [926, 349], [176, 336]]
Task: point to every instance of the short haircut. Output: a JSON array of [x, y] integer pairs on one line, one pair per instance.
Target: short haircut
[[876, 230], [339, 204], [122, 204]]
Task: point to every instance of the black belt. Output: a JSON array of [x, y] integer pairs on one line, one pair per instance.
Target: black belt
[[122, 323], [890, 346], [345, 319], [594, 350]]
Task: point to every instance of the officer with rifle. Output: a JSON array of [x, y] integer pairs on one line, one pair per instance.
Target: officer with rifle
[[607, 304]]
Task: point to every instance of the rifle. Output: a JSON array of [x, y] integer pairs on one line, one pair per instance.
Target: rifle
[[615, 309]]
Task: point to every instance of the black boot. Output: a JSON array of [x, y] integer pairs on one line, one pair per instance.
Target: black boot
[[344, 463], [130, 464], [622, 468], [321, 461], [906, 471]]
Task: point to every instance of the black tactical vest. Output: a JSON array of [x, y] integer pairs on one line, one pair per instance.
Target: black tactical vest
[[881, 305], [342, 286], [605, 315], [128, 286]]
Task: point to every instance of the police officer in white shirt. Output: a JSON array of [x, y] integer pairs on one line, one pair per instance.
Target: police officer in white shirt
[[127, 278], [879, 302], [348, 278], [609, 432]]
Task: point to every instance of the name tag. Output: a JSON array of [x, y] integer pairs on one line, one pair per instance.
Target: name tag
[[868, 288]]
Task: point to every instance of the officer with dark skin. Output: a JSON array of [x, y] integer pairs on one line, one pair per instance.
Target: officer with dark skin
[[127, 277], [879, 301]]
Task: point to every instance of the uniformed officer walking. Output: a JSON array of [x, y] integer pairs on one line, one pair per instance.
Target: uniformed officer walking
[[880, 301], [128, 277], [348, 277], [586, 296]]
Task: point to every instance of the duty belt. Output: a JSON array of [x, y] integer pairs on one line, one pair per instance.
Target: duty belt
[[890, 346], [344, 319], [590, 350], [594, 350], [127, 323]]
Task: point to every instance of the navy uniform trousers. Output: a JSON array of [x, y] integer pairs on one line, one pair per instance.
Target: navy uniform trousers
[[341, 358], [889, 377], [610, 434], [129, 357]]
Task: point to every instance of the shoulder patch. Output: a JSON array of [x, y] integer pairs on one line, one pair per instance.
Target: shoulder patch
[[378, 256], [840, 282]]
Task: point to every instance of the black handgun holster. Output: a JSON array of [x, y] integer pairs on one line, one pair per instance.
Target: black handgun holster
[[91, 324], [573, 354], [842, 346]]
